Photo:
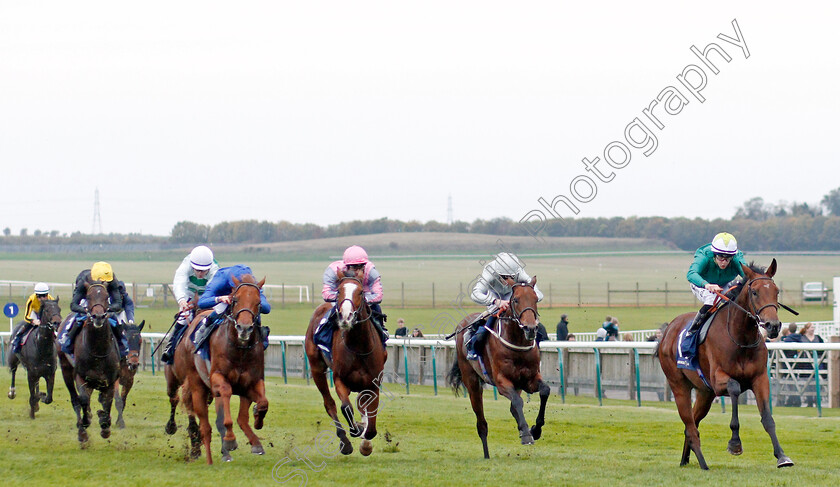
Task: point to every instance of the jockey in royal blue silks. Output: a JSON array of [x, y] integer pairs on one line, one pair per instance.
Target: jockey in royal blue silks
[[217, 296], [119, 304], [716, 265], [493, 291], [190, 281], [354, 260]]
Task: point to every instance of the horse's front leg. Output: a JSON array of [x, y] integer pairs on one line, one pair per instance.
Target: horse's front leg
[[34, 395], [13, 365], [106, 398], [172, 386], [222, 392], [257, 396], [368, 404], [49, 378], [242, 421], [199, 408], [319, 376], [734, 447], [545, 392], [343, 392], [507, 389], [761, 389], [83, 420], [119, 404]]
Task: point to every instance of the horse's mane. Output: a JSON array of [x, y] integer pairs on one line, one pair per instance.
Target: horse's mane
[[736, 290]]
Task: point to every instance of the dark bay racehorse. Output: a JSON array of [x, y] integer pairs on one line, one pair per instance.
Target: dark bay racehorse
[[512, 362], [38, 356], [236, 366], [733, 359], [358, 359], [95, 364], [128, 368]]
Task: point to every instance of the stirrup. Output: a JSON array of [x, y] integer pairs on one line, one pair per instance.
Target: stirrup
[[472, 356]]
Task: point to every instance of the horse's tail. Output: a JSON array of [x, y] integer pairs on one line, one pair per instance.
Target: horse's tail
[[454, 378]]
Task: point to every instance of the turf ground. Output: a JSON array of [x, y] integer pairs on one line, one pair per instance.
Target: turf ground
[[431, 440]]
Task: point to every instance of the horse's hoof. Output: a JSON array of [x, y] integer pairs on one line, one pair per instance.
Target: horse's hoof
[[229, 445], [257, 450], [258, 420], [366, 448], [120, 424], [12, 394], [536, 432], [47, 400], [784, 462], [356, 431], [105, 433], [171, 427], [346, 447], [83, 438], [31, 414], [42, 396], [736, 450], [528, 440], [195, 452], [227, 458]]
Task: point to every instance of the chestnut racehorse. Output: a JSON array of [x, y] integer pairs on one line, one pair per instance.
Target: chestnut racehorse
[[95, 364], [38, 356], [358, 359], [512, 362], [236, 366], [733, 359], [128, 368]]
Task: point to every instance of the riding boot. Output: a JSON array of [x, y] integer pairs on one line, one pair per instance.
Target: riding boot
[[378, 319], [169, 352], [265, 331], [70, 336], [16, 346], [698, 320], [122, 340]]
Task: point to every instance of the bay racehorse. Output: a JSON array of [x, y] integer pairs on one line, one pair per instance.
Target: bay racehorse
[[38, 356], [512, 362], [128, 368], [733, 358], [236, 366], [358, 359], [95, 364]]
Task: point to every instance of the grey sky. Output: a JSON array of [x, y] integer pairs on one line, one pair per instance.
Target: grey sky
[[331, 111]]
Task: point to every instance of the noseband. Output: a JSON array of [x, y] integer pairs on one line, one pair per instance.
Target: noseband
[[233, 318], [754, 314]]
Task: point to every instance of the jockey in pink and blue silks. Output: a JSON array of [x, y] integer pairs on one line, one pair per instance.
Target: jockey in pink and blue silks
[[354, 261]]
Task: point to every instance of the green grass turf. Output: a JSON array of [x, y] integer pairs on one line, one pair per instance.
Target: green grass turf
[[434, 438]]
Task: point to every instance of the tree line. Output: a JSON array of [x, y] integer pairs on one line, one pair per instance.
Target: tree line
[[757, 226]]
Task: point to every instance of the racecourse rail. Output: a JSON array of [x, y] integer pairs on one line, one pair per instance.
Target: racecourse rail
[[617, 370]]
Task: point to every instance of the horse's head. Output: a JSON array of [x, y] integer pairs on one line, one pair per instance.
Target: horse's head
[[245, 306], [523, 307], [132, 334], [97, 299], [350, 299], [761, 297], [50, 314]]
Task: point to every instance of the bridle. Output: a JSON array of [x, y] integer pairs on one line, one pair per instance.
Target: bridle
[[97, 320], [354, 317], [233, 317], [516, 317], [754, 314]]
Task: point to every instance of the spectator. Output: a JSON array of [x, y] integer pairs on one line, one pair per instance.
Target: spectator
[[627, 337], [656, 336], [563, 328], [416, 333], [792, 336], [401, 331], [808, 336], [571, 337], [601, 335], [542, 333], [611, 325]]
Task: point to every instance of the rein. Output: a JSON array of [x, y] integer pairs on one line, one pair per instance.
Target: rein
[[233, 318], [355, 318], [516, 318]]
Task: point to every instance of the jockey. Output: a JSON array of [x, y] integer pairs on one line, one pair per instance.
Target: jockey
[[190, 282], [355, 262], [31, 318], [716, 265], [120, 304], [217, 296], [493, 291]]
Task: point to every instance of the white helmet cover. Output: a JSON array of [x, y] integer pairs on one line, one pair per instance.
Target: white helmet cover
[[201, 258], [724, 243], [42, 288]]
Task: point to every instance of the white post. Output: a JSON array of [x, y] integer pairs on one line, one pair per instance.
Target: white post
[[836, 291]]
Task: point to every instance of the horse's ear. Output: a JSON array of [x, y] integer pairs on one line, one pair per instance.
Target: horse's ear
[[533, 281], [261, 283], [236, 281], [771, 271], [142, 324], [57, 298]]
